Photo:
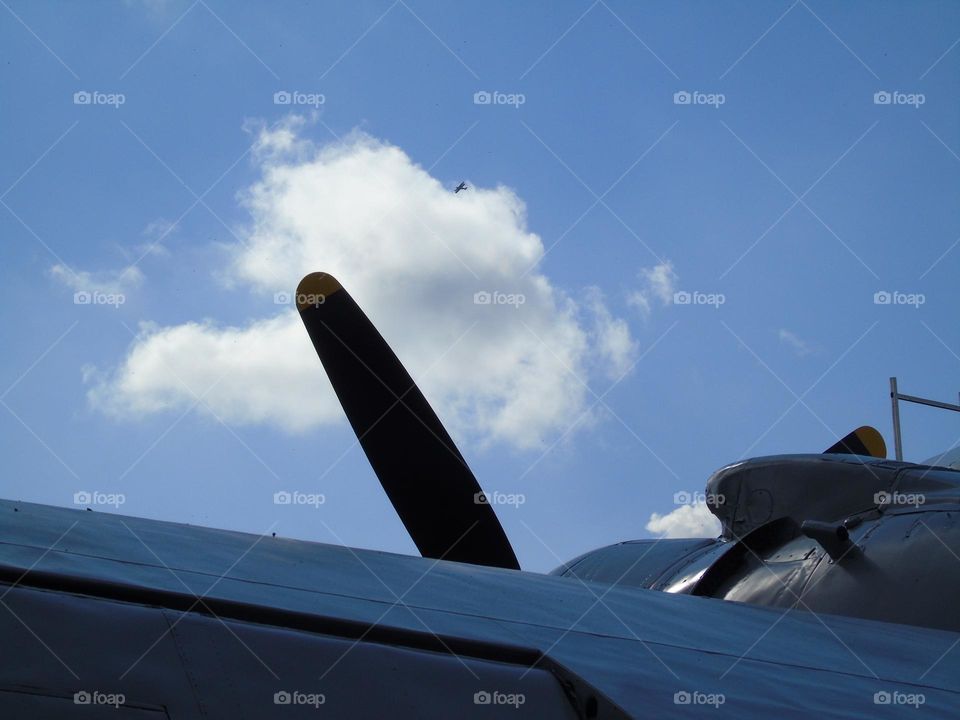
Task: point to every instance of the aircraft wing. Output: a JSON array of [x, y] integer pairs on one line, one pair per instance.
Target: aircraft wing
[[192, 622]]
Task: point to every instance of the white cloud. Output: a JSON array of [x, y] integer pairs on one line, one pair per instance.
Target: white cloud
[[657, 284], [794, 342], [412, 254], [687, 521], [265, 372], [614, 344], [126, 278], [111, 281]]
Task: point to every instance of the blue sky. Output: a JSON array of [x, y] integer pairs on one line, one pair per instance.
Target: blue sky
[[784, 188]]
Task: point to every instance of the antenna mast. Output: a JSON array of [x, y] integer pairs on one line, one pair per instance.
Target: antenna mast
[[895, 398]]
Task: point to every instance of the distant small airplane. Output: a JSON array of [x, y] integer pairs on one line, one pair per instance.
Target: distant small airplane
[[461, 186]]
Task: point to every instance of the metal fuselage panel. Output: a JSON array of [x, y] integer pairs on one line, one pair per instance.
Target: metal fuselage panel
[[168, 664], [97, 590]]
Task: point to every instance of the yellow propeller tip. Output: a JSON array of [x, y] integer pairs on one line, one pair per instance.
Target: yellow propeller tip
[[872, 440], [315, 288]]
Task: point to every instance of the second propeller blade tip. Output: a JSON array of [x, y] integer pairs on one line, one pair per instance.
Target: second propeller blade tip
[[864, 440], [314, 289]]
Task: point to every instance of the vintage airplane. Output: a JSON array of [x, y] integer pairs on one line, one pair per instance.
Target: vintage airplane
[[843, 568], [458, 188]]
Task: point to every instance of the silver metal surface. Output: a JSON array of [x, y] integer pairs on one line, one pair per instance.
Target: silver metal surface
[[639, 648]]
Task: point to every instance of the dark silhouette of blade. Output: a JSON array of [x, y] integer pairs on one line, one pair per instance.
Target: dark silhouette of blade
[[426, 478], [864, 440]]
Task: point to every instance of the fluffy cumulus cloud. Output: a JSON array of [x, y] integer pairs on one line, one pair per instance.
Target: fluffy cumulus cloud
[[264, 372], [693, 520], [449, 279]]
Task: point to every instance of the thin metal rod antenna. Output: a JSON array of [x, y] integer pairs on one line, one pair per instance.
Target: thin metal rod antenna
[[895, 398]]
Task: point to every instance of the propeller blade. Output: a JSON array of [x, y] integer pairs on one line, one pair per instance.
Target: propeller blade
[[426, 478], [864, 440]]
